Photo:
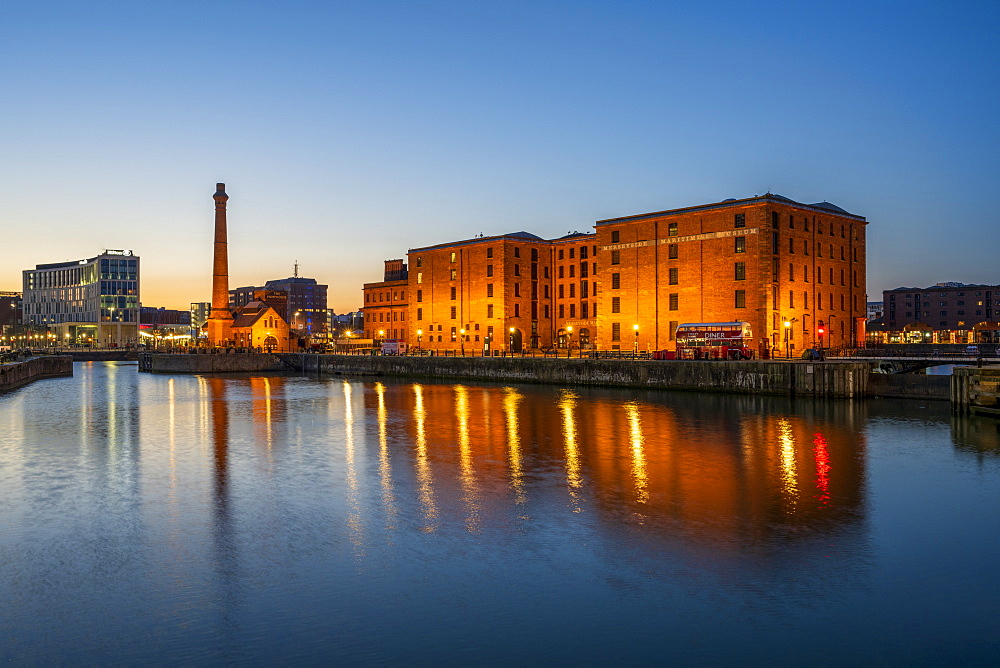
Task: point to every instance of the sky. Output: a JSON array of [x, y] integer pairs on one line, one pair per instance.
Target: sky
[[349, 132]]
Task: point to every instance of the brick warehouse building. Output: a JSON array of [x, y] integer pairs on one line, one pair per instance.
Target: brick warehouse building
[[766, 260], [386, 305]]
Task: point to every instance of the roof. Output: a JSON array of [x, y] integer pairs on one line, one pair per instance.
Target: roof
[[248, 315], [727, 203]]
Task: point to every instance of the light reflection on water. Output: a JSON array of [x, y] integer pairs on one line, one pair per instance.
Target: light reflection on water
[[254, 519]]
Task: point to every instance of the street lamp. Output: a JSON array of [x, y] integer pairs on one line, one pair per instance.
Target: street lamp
[[569, 341], [462, 332], [420, 336], [636, 329], [788, 329], [511, 346], [381, 340]]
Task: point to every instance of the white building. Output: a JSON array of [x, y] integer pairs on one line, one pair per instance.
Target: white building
[[93, 301]]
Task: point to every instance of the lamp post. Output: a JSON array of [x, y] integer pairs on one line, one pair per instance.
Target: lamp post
[[788, 327], [420, 336], [635, 350], [381, 340], [462, 333], [569, 341], [511, 346]]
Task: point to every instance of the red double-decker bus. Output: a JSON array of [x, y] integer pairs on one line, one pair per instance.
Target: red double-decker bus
[[714, 341]]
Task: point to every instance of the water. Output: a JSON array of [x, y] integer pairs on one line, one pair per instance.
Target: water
[[156, 519]]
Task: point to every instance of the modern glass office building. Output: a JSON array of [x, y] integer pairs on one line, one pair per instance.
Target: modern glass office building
[[93, 301]]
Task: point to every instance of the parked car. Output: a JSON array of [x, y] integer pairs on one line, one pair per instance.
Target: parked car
[[972, 351]]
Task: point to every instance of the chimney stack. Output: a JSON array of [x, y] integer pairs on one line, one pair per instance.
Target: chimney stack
[[220, 319]]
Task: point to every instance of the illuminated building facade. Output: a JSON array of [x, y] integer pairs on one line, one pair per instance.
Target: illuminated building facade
[[795, 272], [93, 301], [258, 325], [791, 270], [386, 304]]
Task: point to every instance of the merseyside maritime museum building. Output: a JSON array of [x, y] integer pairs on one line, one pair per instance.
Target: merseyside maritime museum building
[[93, 301], [794, 271]]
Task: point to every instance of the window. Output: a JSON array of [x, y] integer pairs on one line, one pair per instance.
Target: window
[[616, 257], [740, 245], [561, 253], [572, 290], [562, 291], [673, 301], [583, 269], [583, 252], [672, 230], [572, 310], [740, 271], [489, 310], [740, 220], [517, 270], [420, 261], [562, 271], [791, 299], [616, 237], [819, 249], [583, 310], [517, 289], [572, 271], [805, 247], [672, 251], [805, 273], [572, 253], [453, 257], [775, 219], [546, 292], [454, 312], [741, 299], [489, 270], [420, 314], [791, 271], [454, 292], [805, 300], [546, 310], [489, 252], [517, 252], [673, 274], [489, 289], [420, 277], [616, 331], [774, 243], [534, 255], [791, 245], [562, 310], [517, 310], [616, 281], [583, 290], [616, 304], [791, 222], [545, 273]]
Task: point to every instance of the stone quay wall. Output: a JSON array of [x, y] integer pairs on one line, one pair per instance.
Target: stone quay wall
[[16, 374], [976, 390], [829, 379], [211, 363]]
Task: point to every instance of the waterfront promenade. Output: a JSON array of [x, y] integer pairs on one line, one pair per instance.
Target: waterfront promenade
[[16, 373]]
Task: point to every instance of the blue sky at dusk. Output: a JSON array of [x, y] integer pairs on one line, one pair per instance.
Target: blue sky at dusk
[[347, 132]]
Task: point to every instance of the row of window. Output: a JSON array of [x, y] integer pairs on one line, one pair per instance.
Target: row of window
[[819, 275]]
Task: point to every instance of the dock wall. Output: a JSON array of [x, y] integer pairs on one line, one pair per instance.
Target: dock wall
[[15, 374], [833, 379]]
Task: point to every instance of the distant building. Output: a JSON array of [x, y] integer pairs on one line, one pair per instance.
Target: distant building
[[306, 306], [943, 313], [95, 300], [874, 311], [10, 312], [199, 316]]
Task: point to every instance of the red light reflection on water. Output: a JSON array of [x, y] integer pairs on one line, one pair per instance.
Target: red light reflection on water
[[822, 457]]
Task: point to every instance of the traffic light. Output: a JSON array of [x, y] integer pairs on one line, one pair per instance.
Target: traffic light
[[821, 328]]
